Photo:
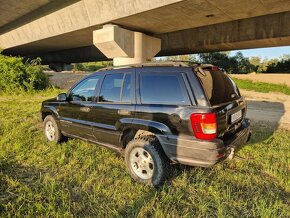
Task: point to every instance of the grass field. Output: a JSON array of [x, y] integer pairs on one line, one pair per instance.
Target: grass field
[[262, 86], [83, 180]]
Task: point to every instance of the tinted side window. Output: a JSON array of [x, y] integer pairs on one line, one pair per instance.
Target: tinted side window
[[85, 90], [116, 88], [163, 89]]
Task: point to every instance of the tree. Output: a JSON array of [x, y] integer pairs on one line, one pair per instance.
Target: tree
[[244, 65], [233, 64], [216, 58], [257, 62], [281, 65], [178, 58]]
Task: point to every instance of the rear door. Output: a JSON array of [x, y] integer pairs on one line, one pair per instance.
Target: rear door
[[224, 97], [163, 100], [115, 106]]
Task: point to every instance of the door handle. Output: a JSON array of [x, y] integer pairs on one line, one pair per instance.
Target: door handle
[[85, 109], [124, 112]]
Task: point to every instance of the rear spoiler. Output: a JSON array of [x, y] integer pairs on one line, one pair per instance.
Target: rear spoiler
[[200, 69]]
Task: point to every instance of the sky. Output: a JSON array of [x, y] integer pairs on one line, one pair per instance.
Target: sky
[[270, 53]]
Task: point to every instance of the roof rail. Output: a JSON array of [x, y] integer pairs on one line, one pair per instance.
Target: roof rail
[[154, 64], [188, 62]]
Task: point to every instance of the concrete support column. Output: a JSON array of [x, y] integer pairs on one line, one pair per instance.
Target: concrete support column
[[124, 46]]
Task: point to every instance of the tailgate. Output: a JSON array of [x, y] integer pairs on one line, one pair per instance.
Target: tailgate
[[230, 116], [224, 97]]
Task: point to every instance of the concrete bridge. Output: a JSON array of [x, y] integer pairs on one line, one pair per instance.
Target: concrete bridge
[[73, 30]]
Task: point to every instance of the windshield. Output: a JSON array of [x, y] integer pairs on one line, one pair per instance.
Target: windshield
[[219, 87]]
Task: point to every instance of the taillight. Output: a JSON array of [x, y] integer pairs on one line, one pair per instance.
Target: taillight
[[204, 126]]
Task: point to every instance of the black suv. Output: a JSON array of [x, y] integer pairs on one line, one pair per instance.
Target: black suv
[[153, 114]]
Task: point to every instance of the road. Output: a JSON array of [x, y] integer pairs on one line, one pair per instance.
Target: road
[[272, 108]]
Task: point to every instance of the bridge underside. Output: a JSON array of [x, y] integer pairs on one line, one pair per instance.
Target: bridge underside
[[188, 26]]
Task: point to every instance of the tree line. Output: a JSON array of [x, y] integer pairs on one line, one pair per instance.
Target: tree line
[[237, 63]]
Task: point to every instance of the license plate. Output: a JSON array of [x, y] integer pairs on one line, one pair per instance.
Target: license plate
[[236, 116]]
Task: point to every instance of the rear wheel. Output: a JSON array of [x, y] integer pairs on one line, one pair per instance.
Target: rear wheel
[[146, 161], [51, 130]]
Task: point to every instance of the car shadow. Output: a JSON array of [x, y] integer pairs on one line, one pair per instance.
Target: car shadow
[[265, 111], [266, 118]]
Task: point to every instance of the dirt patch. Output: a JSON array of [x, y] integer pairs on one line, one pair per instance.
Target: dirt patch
[[275, 78]]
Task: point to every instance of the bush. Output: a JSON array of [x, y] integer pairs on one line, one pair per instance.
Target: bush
[[17, 76]]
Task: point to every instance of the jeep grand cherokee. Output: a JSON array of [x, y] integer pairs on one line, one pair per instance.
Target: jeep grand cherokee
[[153, 114]]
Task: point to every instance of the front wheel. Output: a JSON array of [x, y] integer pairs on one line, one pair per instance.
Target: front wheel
[[146, 161], [51, 130]]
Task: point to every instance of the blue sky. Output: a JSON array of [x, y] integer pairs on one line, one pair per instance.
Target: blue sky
[[274, 52]]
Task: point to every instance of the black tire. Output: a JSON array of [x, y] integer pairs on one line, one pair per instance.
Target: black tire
[[58, 136], [161, 169]]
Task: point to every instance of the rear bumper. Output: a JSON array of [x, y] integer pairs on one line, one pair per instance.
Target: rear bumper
[[191, 151]]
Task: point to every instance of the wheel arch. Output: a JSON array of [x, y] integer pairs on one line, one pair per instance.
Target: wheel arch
[[48, 111], [139, 127]]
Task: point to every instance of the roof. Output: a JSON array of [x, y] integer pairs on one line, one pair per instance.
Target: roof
[[155, 64]]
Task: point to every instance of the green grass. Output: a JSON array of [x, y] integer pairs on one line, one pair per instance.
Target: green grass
[[80, 179], [262, 87]]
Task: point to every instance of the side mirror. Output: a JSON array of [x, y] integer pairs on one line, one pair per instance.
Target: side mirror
[[61, 97]]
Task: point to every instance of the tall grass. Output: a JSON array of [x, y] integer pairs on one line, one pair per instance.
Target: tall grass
[[81, 179]]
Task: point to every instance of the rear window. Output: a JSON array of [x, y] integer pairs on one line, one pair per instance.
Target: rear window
[[163, 88], [219, 87]]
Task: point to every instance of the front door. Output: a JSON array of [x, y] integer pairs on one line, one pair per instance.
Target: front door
[[75, 114]]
